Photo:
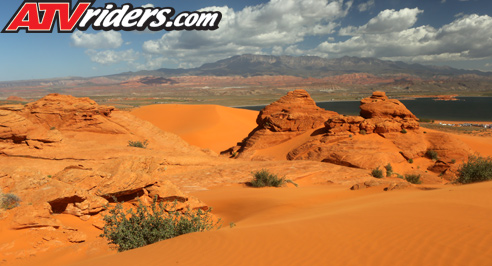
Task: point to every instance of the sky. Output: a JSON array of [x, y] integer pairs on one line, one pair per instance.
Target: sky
[[455, 33]]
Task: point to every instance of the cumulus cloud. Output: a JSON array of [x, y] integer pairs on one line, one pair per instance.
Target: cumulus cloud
[[386, 21], [100, 40], [466, 38], [365, 6], [109, 57], [254, 29]]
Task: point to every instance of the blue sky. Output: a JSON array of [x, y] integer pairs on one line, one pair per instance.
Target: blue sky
[[457, 33]]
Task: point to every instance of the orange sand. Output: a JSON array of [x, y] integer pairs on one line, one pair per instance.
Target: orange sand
[[207, 126], [331, 225], [314, 224]]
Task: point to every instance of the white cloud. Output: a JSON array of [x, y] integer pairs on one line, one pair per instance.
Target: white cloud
[[148, 5], [109, 57], [100, 40], [386, 21], [443, 1], [366, 6], [278, 23], [466, 38]]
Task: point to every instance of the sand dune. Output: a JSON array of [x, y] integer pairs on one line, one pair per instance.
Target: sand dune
[[330, 225], [482, 145], [318, 223], [207, 126]]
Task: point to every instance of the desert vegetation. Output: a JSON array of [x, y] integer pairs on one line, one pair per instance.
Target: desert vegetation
[[389, 169], [9, 201], [477, 169], [264, 178], [432, 154], [377, 173], [149, 224], [413, 178], [138, 144]]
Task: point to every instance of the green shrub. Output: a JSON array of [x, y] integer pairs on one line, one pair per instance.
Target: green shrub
[[138, 144], [404, 131], [410, 160], [477, 169], [264, 178], [9, 201], [399, 176], [377, 173], [150, 224], [389, 169], [414, 179], [453, 161], [432, 154], [363, 131]]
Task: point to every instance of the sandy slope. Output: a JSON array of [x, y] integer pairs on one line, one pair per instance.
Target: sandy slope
[[330, 225], [206, 126], [314, 224], [482, 145]]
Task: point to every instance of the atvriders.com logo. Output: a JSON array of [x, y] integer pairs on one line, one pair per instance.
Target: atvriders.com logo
[[40, 16]]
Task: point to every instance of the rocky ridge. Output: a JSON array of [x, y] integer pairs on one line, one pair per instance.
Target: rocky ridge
[[386, 132], [85, 148]]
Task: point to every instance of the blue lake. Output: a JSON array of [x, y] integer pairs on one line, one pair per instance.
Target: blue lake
[[464, 109]]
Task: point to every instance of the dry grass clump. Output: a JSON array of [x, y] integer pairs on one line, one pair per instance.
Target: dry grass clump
[[264, 178], [138, 144], [150, 224], [477, 169], [414, 179], [9, 201], [377, 173]]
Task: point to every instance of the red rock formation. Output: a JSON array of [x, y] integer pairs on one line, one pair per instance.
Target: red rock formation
[[348, 140], [290, 116], [379, 106], [83, 150], [378, 114], [16, 99], [295, 111]]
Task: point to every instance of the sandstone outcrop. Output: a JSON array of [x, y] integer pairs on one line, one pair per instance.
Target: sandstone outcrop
[[68, 155], [16, 99], [290, 116], [378, 114], [386, 132]]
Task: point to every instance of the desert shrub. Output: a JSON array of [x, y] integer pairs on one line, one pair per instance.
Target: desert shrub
[[432, 154], [410, 160], [150, 224], [477, 169], [453, 161], [363, 131], [9, 201], [264, 178], [377, 173], [399, 176], [138, 144], [404, 131], [389, 169], [414, 179]]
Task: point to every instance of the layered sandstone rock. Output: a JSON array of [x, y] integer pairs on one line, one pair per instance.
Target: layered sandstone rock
[[378, 114], [290, 116], [386, 132], [76, 159]]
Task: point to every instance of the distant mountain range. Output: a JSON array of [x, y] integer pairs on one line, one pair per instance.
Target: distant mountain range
[[304, 66], [262, 71]]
